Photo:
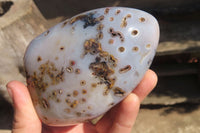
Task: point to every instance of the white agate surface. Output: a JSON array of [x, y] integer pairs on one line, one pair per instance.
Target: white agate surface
[[80, 68]]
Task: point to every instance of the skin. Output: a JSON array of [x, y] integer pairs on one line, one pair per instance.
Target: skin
[[120, 118]]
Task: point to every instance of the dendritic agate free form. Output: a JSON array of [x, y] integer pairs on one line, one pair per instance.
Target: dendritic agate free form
[[80, 68]]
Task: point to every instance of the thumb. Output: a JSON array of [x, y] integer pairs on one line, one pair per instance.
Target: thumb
[[126, 115], [25, 117]]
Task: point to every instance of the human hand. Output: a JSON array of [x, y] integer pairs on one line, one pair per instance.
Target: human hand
[[119, 119]]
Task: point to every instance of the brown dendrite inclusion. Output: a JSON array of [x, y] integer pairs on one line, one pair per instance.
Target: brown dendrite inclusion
[[38, 82], [116, 34], [103, 67], [104, 64], [88, 19]]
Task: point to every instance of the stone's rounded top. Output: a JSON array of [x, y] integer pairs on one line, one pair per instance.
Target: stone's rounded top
[[95, 59]]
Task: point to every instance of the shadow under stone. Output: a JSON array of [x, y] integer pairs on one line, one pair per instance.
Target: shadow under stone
[[181, 108]]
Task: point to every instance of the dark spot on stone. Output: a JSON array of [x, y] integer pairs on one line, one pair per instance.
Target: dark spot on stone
[[100, 18], [84, 91], [88, 19], [111, 104], [119, 92], [101, 69], [100, 35], [89, 107], [45, 118], [92, 46], [111, 18], [142, 19], [97, 59], [107, 90], [116, 33], [78, 114], [77, 71], [110, 83], [117, 12], [125, 69], [79, 17], [83, 100], [83, 82], [149, 62], [74, 104], [61, 48], [39, 58], [68, 95], [148, 46], [58, 100], [111, 41], [134, 32], [69, 69], [112, 61], [135, 49], [93, 85], [106, 11], [59, 77], [37, 81], [56, 58], [68, 101], [75, 93], [72, 63], [45, 104], [124, 21], [100, 27], [104, 54], [54, 93], [121, 49], [128, 16]]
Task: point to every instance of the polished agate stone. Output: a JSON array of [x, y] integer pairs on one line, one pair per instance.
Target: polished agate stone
[[85, 65]]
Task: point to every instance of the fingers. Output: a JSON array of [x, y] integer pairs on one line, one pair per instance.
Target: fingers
[[126, 115], [106, 121], [122, 116], [125, 108], [147, 84], [25, 117]]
